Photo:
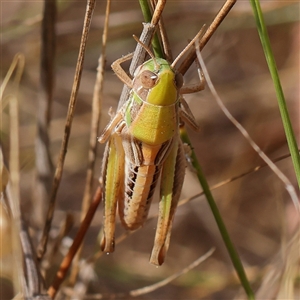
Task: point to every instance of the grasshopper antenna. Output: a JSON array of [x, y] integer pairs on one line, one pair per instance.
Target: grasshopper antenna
[[148, 51]]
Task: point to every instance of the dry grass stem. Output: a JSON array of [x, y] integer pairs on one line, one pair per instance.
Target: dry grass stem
[[96, 112], [218, 19], [166, 281], [71, 109], [44, 165], [66, 263], [288, 185], [150, 288], [37, 122]]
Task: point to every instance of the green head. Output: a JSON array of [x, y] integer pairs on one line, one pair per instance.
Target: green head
[[155, 82]]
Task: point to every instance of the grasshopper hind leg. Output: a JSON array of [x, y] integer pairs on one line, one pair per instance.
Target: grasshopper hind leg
[[112, 181], [171, 184]]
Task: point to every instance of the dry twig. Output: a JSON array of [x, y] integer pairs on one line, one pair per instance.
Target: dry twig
[[65, 264], [71, 109]]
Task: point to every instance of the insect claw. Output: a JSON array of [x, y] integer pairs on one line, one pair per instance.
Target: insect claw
[[159, 260], [107, 247], [111, 112], [162, 254], [159, 251]]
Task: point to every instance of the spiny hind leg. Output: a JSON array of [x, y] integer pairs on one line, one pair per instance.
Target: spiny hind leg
[[112, 180], [171, 184]]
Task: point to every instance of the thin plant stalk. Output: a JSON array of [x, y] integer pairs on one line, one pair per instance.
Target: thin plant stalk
[[66, 262], [139, 53], [226, 238], [218, 19], [217, 216], [96, 111], [44, 165], [265, 41], [14, 169], [289, 187], [71, 110], [148, 18], [232, 252], [202, 180], [153, 287]]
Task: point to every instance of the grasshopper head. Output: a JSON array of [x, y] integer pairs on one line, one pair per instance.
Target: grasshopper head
[[157, 83]]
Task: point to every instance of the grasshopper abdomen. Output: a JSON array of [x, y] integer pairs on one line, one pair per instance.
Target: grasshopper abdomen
[[140, 183]]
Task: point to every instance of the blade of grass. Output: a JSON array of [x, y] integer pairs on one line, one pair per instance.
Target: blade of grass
[[139, 53], [223, 231], [289, 187], [229, 245], [265, 41], [184, 136], [148, 18]]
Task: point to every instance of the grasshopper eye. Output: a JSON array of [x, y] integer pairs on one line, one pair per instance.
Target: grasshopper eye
[[148, 79], [178, 80]]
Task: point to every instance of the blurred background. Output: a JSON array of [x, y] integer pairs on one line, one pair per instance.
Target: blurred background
[[256, 208]]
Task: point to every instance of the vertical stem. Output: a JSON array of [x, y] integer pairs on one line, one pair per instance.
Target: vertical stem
[[44, 165], [67, 131], [226, 238], [207, 35], [265, 41], [84, 226], [148, 19], [96, 110]]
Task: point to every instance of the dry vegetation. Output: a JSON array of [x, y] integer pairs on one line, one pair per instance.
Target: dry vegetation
[[257, 210]]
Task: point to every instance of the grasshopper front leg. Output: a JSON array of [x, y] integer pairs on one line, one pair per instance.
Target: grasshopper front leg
[[119, 71], [171, 184]]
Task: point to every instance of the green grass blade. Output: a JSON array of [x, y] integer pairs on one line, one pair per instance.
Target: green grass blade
[[202, 180], [158, 52], [290, 136], [146, 10], [222, 228]]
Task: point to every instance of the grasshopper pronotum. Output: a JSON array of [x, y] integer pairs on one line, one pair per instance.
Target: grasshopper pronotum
[[143, 145]]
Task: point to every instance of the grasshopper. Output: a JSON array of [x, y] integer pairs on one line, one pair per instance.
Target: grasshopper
[[144, 145]]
